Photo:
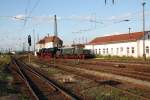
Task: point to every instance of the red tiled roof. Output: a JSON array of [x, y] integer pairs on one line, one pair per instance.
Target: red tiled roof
[[117, 38], [49, 39]]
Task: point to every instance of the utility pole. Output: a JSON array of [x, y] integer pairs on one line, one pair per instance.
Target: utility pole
[[37, 37], [73, 42], [79, 40], [34, 41], [82, 39], [55, 31], [86, 40], [55, 35], [23, 48], [143, 5], [55, 25], [129, 32]]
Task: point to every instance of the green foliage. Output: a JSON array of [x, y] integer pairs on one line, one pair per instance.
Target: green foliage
[[5, 78], [125, 58], [6, 89], [53, 71], [106, 93], [23, 97]]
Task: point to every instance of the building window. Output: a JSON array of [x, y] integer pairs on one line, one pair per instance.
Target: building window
[[148, 36], [95, 51], [127, 50], [132, 49], [147, 49], [107, 51], [103, 51], [111, 50], [99, 51], [117, 50], [121, 49]]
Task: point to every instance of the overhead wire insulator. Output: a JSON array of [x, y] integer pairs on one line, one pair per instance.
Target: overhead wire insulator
[[105, 2], [113, 1]]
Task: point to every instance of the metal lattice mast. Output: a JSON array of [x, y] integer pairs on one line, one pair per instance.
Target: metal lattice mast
[[55, 26], [143, 5]]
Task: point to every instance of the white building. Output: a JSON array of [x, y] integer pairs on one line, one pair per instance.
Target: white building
[[121, 45], [49, 42]]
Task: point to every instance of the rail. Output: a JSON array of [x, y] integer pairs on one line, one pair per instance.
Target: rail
[[26, 73]]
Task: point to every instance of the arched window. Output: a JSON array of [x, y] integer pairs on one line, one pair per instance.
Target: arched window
[[147, 49]]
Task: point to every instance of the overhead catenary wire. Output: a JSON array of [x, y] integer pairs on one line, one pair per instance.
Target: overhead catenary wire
[[31, 11], [35, 5], [26, 12]]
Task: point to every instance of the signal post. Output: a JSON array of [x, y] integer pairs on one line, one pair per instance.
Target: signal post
[[29, 42]]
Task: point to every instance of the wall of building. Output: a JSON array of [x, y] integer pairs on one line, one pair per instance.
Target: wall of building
[[118, 49], [39, 46], [46, 45], [49, 45], [147, 45], [134, 49]]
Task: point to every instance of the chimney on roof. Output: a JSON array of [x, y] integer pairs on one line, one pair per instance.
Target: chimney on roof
[[55, 25], [48, 34]]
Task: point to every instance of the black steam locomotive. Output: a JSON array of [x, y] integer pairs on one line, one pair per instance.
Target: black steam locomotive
[[65, 52]]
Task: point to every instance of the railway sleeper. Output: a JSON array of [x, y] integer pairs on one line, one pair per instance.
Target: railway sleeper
[[42, 83]]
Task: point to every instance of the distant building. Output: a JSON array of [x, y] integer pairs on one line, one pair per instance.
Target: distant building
[[78, 45], [121, 45], [49, 42]]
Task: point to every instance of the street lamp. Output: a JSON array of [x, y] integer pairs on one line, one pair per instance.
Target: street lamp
[[125, 20], [129, 30], [144, 55]]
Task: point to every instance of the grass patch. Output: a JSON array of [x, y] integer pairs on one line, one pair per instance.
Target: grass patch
[[6, 88], [121, 58], [105, 93], [140, 92], [52, 71], [5, 78]]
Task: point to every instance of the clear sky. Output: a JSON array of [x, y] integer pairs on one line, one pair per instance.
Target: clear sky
[[78, 20]]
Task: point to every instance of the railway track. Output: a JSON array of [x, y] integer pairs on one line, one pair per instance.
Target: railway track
[[39, 86], [127, 61], [80, 73], [109, 68], [130, 65]]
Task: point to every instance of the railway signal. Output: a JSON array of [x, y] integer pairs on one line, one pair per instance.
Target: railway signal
[[29, 40]]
